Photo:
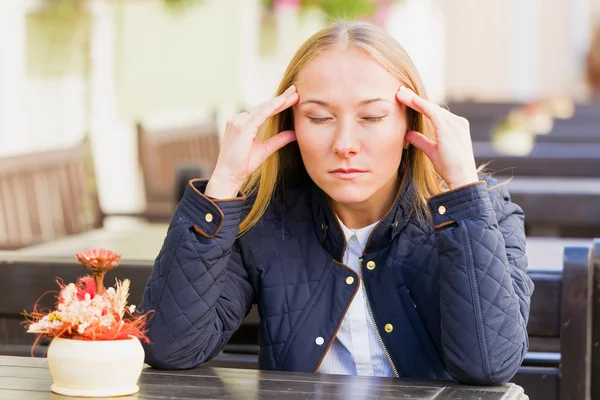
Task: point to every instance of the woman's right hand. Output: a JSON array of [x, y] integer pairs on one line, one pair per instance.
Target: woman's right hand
[[241, 153]]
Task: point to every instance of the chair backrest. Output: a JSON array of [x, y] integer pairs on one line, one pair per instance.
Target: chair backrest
[[162, 152], [595, 263], [47, 195], [558, 365]]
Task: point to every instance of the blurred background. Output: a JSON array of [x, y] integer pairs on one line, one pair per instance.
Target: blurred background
[[124, 74], [109, 107]]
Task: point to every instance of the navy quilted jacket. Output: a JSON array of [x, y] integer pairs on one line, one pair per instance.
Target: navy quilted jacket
[[454, 288]]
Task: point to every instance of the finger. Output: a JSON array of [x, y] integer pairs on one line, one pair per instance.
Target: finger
[[422, 142], [260, 117], [278, 141], [419, 104], [273, 106]]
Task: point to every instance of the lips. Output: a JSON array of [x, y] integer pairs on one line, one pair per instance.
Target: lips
[[347, 173]]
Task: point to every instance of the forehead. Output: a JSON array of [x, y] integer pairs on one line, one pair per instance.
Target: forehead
[[347, 72]]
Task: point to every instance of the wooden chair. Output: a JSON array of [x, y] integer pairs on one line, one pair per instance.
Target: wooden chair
[[164, 152], [47, 195]]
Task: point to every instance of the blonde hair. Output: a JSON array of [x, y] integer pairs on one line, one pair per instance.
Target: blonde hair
[[286, 165], [593, 62]]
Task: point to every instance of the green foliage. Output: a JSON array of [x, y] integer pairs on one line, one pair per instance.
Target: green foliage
[[349, 9], [179, 3], [58, 40]]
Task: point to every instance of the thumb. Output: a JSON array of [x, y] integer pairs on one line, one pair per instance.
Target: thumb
[[275, 143], [421, 142]]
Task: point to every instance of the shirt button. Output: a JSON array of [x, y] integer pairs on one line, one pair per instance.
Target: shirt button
[[388, 328], [442, 210], [208, 217], [319, 341], [350, 280], [371, 265]]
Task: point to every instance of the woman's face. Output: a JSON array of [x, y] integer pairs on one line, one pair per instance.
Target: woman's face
[[349, 126]]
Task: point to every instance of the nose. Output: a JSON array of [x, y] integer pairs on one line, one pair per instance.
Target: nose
[[346, 142]]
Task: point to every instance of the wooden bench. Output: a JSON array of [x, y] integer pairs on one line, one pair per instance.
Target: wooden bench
[[559, 363], [558, 207], [595, 353], [578, 160], [162, 153], [570, 149], [47, 195], [582, 127]]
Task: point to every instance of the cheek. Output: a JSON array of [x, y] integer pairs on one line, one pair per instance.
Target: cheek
[[385, 138], [385, 146], [311, 140]]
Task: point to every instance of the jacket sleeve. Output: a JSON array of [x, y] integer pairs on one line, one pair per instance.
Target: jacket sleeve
[[199, 290], [484, 288]]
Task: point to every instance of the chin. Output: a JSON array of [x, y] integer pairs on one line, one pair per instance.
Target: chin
[[348, 195]]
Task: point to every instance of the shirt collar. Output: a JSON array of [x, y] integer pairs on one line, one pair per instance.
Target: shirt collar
[[361, 234], [332, 237]]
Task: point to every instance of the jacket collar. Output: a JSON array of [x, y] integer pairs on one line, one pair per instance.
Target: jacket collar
[[330, 232]]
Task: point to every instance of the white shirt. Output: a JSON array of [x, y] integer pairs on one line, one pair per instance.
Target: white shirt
[[356, 350]]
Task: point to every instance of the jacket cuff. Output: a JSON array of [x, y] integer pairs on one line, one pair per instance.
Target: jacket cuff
[[449, 207], [210, 215]]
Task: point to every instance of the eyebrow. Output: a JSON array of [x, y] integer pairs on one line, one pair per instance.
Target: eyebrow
[[325, 104]]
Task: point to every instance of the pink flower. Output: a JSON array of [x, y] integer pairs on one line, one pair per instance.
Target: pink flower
[[99, 259], [84, 310]]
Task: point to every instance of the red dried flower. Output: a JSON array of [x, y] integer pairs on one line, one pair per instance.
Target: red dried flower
[[99, 261], [85, 285]]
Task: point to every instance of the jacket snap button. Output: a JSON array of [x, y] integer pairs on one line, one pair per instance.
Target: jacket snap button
[[350, 280], [442, 210], [208, 217], [371, 265], [319, 341], [389, 328]]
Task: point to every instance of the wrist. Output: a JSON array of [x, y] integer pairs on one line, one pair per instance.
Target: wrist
[[222, 188], [463, 180]]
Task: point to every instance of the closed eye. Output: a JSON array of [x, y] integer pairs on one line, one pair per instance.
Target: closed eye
[[318, 120], [374, 119]]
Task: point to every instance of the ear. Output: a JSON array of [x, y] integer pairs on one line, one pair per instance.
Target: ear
[[406, 144]]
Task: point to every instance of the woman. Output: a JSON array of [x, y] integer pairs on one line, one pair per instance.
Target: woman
[[593, 66], [369, 243]]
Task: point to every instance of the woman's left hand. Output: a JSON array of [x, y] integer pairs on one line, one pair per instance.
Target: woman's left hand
[[452, 153]]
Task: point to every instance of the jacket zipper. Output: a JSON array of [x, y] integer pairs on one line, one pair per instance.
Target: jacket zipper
[[362, 282], [340, 323]]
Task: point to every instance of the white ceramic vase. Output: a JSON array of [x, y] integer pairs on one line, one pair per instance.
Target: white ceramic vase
[[102, 368]]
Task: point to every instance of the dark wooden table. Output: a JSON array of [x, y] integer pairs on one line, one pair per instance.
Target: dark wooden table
[[29, 378]]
